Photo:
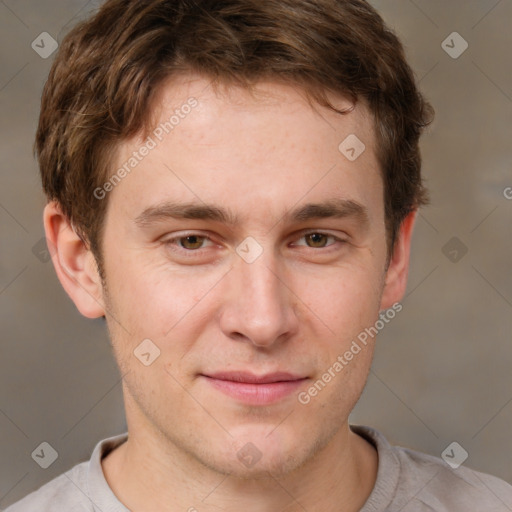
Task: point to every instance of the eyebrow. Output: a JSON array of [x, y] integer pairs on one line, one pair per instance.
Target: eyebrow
[[333, 208]]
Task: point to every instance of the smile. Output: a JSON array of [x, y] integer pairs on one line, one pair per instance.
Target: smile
[[255, 390]]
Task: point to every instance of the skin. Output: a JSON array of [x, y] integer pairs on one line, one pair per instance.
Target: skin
[[296, 308]]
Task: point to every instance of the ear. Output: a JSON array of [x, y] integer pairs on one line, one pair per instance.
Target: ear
[[398, 269], [74, 263]]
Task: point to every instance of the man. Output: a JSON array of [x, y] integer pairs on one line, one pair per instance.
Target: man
[[233, 186]]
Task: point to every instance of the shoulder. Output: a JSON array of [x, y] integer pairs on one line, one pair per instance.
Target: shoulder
[[432, 483], [61, 493], [81, 489], [411, 481]]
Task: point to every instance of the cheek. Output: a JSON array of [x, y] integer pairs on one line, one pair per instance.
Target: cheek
[[344, 303], [156, 300], [345, 299]]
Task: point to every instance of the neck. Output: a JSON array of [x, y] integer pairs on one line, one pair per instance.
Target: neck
[[149, 472]]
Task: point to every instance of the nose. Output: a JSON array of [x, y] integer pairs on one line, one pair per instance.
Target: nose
[[258, 303]]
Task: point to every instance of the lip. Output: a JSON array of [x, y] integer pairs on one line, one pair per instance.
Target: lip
[[255, 389]]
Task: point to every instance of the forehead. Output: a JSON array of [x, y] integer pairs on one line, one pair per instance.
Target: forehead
[[271, 102], [268, 146]]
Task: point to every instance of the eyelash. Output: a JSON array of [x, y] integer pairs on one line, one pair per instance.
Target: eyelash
[[191, 253]]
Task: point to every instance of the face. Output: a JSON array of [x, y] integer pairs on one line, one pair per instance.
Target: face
[[251, 252]]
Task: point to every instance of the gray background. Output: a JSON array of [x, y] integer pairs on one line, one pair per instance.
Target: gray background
[[442, 367]]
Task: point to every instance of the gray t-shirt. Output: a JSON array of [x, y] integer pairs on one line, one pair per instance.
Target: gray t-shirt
[[407, 481]]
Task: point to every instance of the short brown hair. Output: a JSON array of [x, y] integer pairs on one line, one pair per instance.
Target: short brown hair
[[108, 68]]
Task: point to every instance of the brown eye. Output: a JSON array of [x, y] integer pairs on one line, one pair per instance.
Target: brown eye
[[316, 239], [191, 242]]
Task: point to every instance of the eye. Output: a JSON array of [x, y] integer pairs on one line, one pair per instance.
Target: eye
[[318, 239], [188, 242], [191, 241], [192, 244]]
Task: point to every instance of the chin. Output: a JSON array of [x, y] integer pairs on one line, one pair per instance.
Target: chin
[[259, 465], [263, 451]]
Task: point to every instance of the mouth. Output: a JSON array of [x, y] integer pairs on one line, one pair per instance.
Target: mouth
[[254, 389]]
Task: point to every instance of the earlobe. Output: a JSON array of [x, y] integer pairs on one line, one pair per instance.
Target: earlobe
[[398, 269], [74, 263]]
